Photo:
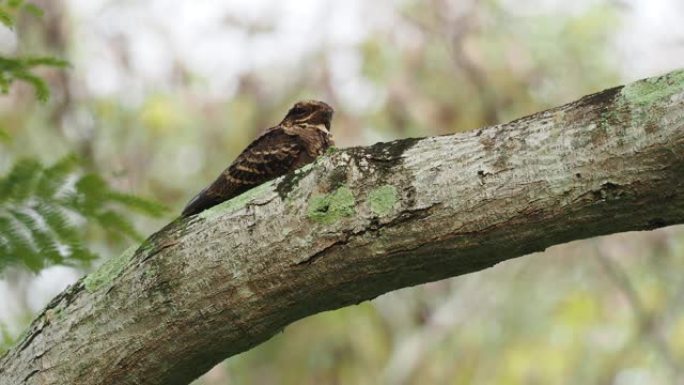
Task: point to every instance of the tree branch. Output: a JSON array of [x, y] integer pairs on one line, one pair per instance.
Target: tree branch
[[358, 223]]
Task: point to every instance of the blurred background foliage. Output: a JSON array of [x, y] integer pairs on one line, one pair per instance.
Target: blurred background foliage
[[159, 96], [42, 207]]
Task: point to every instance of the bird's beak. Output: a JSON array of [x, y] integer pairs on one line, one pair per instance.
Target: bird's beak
[[328, 119]]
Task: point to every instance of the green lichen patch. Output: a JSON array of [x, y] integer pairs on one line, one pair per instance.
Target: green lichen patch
[[236, 203], [647, 91], [332, 207], [107, 272], [383, 199]]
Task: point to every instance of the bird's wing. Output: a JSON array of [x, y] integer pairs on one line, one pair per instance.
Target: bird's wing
[[274, 153]]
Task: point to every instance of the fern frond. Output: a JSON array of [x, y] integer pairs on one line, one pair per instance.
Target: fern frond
[[45, 246], [6, 243], [21, 247], [6, 19], [4, 135], [19, 184], [114, 221], [48, 247], [6, 339], [40, 87], [56, 220], [90, 190], [15, 3], [138, 204], [33, 10], [80, 256], [41, 209], [55, 177], [44, 61]]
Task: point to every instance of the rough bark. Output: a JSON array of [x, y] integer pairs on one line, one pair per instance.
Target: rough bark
[[358, 223]]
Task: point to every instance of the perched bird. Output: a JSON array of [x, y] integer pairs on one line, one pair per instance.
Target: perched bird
[[303, 135]]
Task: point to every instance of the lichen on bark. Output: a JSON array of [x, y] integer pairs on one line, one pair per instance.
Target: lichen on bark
[[330, 208], [382, 199], [236, 203], [644, 93], [108, 271]]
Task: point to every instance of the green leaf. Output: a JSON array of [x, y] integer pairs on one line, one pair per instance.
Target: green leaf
[[33, 10], [18, 185], [138, 204], [55, 177], [21, 247], [38, 208], [15, 3], [6, 243], [20, 69], [116, 223], [45, 61], [57, 221], [6, 339], [80, 256], [91, 191], [42, 211], [4, 136], [39, 85], [6, 18]]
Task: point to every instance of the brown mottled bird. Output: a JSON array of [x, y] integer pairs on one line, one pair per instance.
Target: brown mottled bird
[[302, 136]]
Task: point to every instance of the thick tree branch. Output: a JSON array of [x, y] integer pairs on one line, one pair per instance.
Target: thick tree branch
[[358, 223]]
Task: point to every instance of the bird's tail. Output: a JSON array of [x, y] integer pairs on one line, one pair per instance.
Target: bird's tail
[[199, 203]]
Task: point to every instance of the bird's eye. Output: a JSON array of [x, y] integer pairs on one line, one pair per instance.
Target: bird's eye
[[297, 110]]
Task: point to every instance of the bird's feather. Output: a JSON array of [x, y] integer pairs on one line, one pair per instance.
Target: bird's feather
[[303, 135], [274, 153]]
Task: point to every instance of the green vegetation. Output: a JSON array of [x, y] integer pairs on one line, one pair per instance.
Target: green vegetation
[[46, 212], [21, 68], [40, 208]]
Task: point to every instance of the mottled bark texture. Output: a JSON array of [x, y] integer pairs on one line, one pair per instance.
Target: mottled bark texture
[[358, 223]]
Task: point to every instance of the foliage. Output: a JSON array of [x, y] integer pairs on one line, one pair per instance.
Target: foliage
[[6, 339], [4, 136], [12, 69], [42, 208], [9, 10], [21, 68]]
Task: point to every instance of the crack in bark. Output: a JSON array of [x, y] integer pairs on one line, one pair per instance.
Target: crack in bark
[[31, 374]]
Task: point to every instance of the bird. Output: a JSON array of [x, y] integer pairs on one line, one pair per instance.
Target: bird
[[302, 136]]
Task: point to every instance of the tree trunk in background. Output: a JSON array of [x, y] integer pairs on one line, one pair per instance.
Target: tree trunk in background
[[356, 224]]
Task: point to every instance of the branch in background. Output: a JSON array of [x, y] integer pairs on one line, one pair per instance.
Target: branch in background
[[648, 323]]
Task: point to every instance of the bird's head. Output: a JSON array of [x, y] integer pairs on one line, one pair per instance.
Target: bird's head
[[309, 112]]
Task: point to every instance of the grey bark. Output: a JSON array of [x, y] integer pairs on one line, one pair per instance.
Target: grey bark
[[358, 223]]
